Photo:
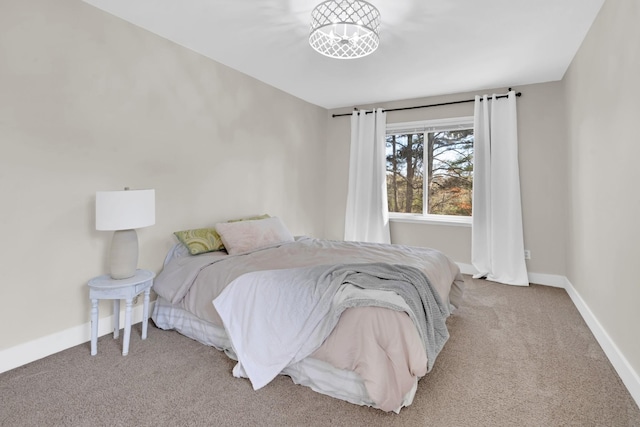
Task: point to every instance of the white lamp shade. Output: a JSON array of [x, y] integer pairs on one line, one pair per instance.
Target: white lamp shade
[[125, 210]]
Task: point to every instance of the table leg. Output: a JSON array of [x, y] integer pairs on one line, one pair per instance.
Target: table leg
[[145, 313], [94, 327], [116, 318], [127, 327]]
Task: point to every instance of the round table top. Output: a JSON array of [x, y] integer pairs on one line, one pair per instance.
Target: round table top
[[106, 281]]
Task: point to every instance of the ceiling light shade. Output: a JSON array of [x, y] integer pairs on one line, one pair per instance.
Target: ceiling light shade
[[345, 28]]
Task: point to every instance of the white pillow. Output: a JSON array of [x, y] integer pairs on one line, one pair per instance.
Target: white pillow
[[247, 236]]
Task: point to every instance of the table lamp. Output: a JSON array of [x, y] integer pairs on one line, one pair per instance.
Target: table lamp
[[123, 212]]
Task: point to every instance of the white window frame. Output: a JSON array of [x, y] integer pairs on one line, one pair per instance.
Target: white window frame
[[435, 125]]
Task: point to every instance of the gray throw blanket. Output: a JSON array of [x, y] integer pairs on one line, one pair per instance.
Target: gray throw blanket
[[428, 311], [295, 308]]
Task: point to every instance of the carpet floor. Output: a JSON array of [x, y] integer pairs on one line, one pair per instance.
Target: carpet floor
[[516, 357]]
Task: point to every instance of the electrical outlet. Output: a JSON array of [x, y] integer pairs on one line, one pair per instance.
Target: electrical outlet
[[527, 254]]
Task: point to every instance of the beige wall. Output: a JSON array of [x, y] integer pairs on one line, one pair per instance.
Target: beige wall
[[603, 111], [89, 102], [542, 159]]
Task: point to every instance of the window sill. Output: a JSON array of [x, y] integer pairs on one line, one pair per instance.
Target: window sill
[[449, 220]]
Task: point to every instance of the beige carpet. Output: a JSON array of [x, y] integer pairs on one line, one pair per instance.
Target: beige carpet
[[516, 357]]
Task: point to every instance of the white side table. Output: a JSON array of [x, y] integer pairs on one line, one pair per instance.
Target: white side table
[[104, 287]]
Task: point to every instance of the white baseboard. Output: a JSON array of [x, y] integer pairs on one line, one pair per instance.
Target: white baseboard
[[28, 352], [625, 371], [553, 280], [467, 268], [538, 278]]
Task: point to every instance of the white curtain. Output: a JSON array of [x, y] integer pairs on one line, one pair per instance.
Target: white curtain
[[497, 247], [367, 216]]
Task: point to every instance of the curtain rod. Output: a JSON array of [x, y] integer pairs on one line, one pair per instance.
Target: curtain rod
[[426, 106]]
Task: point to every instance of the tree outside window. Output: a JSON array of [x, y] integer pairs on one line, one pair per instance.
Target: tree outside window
[[430, 171]]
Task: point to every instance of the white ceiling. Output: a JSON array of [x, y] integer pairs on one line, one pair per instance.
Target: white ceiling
[[427, 47]]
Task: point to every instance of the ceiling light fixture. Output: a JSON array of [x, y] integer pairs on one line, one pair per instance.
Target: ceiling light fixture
[[345, 29]]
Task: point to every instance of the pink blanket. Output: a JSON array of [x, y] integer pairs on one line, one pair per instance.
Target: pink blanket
[[388, 364]]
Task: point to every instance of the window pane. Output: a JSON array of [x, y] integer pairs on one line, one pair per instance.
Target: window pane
[[443, 167], [405, 172], [450, 172]]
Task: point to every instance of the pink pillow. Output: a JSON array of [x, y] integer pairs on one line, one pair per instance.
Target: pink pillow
[[247, 236]]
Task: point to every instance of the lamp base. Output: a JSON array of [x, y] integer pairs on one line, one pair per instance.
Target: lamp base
[[123, 259]]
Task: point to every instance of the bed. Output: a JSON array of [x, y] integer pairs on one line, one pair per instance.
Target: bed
[[361, 322]]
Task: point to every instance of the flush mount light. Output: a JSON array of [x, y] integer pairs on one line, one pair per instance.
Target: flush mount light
[[345, 29]]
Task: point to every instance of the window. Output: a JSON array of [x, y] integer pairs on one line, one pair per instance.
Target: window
[[430, 168]]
